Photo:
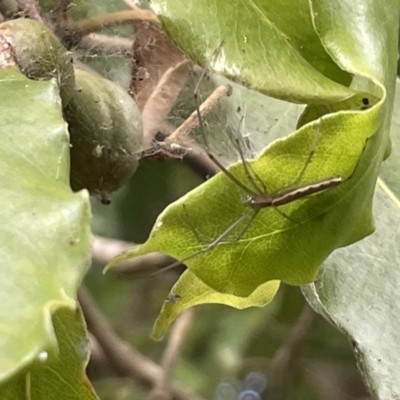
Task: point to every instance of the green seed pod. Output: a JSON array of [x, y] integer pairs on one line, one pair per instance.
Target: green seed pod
[[106, 135], [39, 54]]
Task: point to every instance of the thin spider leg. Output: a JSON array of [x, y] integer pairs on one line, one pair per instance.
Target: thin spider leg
[[201, 125], [241, 233], [246, 164], [196, 88], [244, 230], [310, 154], [235, 180], [202, 239], [245, 188], [193, 228], [286, 216], [192, 121], [210, 246], [248, 170]]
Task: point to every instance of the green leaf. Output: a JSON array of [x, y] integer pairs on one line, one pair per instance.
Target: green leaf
[[190, 291], [357, 288], [317, 225], [351, 142], [60, 373], [45, 234], [269, 46]]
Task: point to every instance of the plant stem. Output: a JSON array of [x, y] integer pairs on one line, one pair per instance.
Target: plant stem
[[95, 24], [122, 358]]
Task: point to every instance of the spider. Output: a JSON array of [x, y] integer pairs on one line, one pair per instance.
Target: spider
[[257, 196]]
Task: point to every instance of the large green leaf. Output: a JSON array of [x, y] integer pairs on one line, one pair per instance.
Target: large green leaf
[[194, 292], [44, 235], [60, 373], [270, 46], [351, 141], [357, 288]]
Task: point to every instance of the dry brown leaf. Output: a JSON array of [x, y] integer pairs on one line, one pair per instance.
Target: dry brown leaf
[[159, 73]]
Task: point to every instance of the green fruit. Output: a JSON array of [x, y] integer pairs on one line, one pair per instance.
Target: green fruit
[[106, 135], [39, 54]]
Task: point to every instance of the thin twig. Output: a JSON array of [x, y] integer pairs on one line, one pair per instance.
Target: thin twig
[[193, 121], [159, 101], [122, 358], [96, 43], [289, 346], [95, 24], [104, 250], [283, 358], [96, 352], [162, 389], [192, 156], [201, 164]]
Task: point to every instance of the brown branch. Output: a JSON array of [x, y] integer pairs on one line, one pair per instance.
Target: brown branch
[[163, 95], [96, 43], [201, 164], [176, 144], [96, 352], [289, 346], [122, 358], [283, 358], [194, 157], [95, 24], [193, 121], [162, 388], [104, 250]]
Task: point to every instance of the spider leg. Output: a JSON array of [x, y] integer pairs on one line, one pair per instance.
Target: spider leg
[[214, 159], [249, 172], [310, 154], [214, 242]]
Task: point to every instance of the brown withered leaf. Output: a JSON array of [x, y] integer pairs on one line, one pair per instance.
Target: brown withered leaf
[[159, 73]]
